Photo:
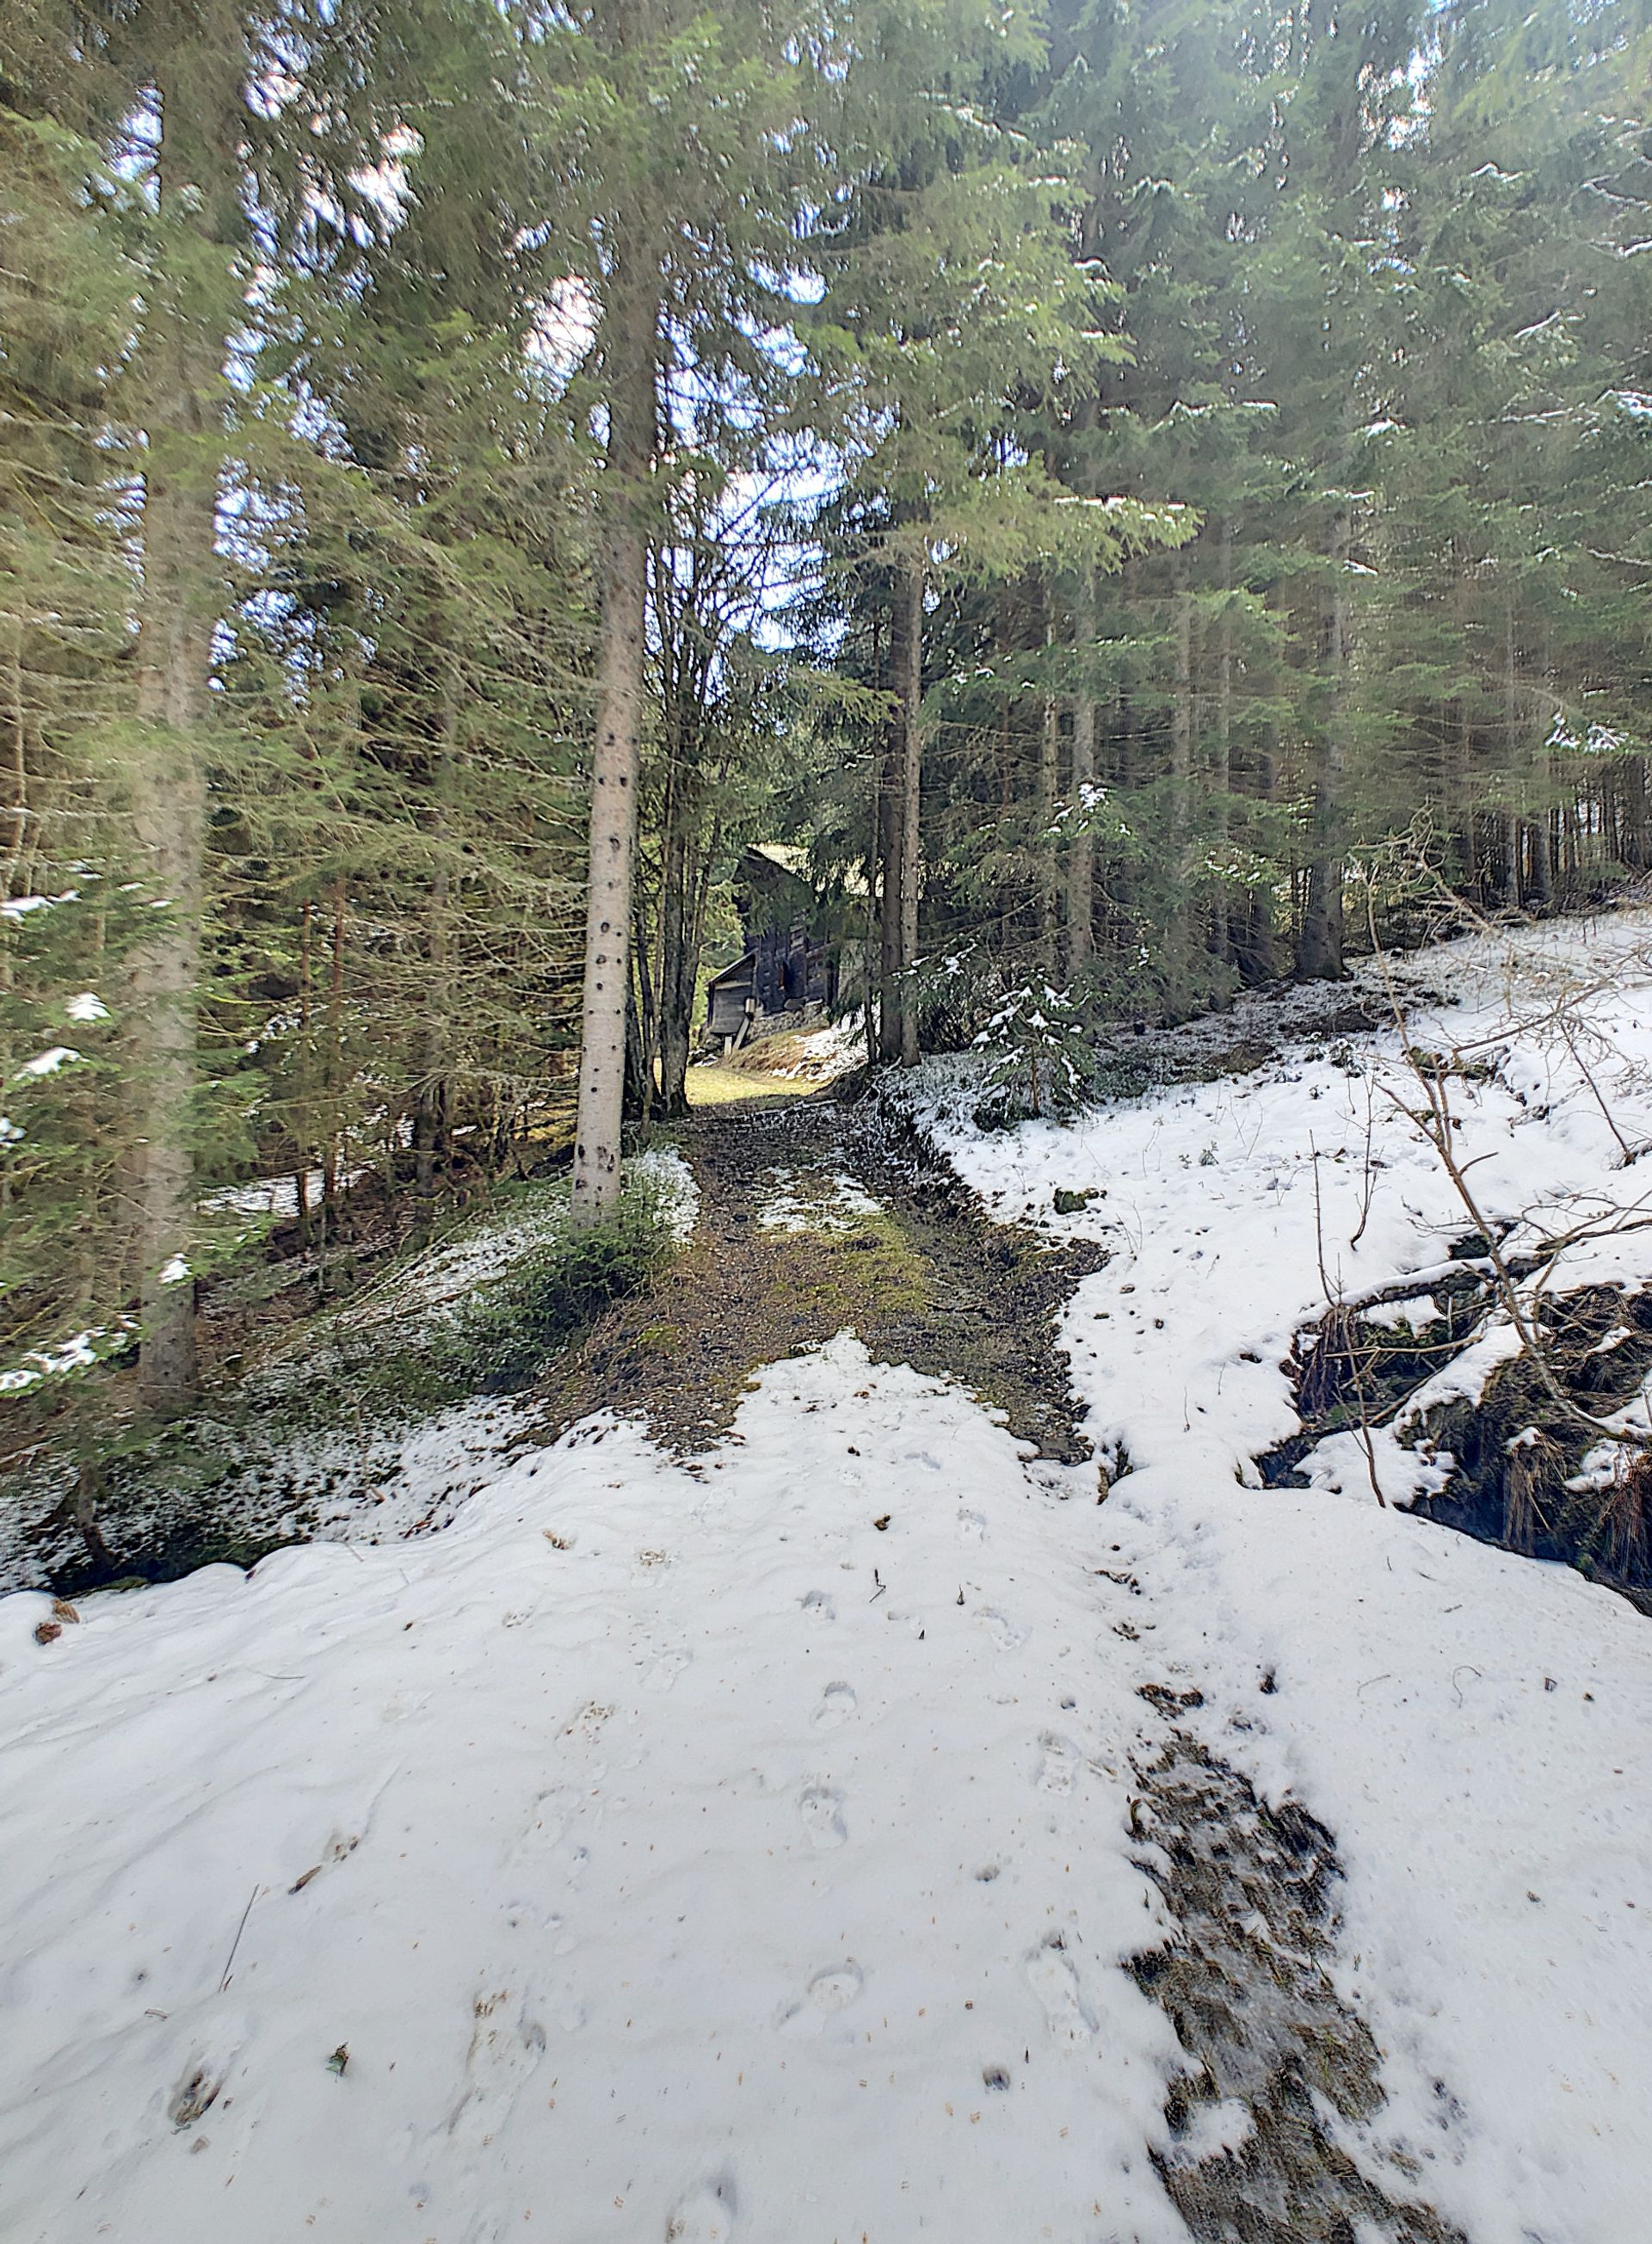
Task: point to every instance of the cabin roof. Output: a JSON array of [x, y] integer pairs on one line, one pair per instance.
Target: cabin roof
[[738, 966]]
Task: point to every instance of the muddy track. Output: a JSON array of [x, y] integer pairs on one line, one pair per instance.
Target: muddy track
[[924, 1280], [1246, 1982], [1281, 2086]]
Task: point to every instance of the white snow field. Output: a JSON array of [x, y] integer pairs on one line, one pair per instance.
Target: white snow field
[[741, 1849]]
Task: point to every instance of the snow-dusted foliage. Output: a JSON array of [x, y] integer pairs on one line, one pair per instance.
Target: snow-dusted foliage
[[1041, 1058]]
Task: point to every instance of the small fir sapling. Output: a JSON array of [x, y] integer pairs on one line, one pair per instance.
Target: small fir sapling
[[1041, 1061]]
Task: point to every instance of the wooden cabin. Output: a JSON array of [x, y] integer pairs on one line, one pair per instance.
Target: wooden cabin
[[786, 968]]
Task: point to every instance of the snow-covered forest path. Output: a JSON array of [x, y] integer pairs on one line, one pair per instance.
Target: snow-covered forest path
[[831, 1821]]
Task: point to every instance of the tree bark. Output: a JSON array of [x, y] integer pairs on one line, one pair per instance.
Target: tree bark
[[1543, 821], [909, 684], [431, 1117], [1636, 840], [15, 812], [181, 369], [1049, 788], [678, 969], [891, 827], [1258, 954], [684, 879], [1515, 767], [1081, 866], [1222, 916], [303, 1117], [630, 342], [1179, 947], [1319, 945]]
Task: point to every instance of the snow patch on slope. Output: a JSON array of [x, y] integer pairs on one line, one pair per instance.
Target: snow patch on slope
[[1467, 1722], [659, 1839]]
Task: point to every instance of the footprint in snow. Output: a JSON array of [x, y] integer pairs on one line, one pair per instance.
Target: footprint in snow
[[707, 2215], [971, 1527], [1057, 1763], [826, 1993], [837, 1703], [506, 2043], [547, 1840], [818, 1607], [549, 1817], [1007, 1634], [818, 1807], [489, 2227], [199, 2089], [1050, 1976], [666, 1670]]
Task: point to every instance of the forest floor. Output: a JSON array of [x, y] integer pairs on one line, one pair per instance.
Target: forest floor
[[857, 1754]]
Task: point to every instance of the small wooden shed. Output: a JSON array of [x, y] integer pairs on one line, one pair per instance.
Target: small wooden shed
[[786, 968]]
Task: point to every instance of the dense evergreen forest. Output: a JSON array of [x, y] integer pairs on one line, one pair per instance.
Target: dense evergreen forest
[[1127, 493]]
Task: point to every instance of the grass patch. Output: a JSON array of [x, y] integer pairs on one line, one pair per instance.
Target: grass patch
[[722, 1086]]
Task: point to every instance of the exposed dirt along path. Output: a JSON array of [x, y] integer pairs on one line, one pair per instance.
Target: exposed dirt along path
[[812, 1220], [1270, 2122]]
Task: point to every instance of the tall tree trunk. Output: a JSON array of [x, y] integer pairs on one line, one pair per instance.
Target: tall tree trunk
[[430, 1119], [1319, 945], [1222, 916], [304, 1103], [1515, 766], [1049, 788], [1258, 957], [891, 829], [1081, 865], [1541, 878], [909, 684], [1635, 848], [673, 1012], [641, 1102], [332, 1093], [685, 879], [678, 966], [181, 368], [1120, 885], [1179, 945], [629, 343], [15, 811], [1459, 753]]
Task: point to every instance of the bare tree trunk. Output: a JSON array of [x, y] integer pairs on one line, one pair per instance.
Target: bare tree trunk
[[678, 966], [430, 1116], [1049, 788], [1178, 946], [1259, 954], [890, 817], [909, 684], [303, 1118], [1543, 821], [1319, 945], [15, 812], [1515, 762], [1635, 848], [630, 345], [684, 878], [1222, 917], [1080, 868], [647, 1020], [674, 1007], [1459, 751], [180, 366], [1120, 886]]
